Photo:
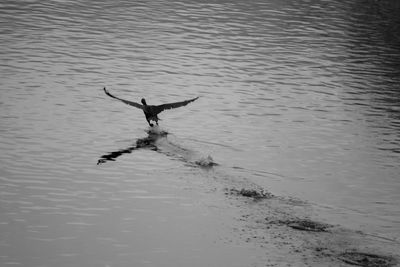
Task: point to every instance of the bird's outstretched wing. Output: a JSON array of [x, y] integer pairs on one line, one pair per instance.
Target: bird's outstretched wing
[[163, 107], [131, 103]]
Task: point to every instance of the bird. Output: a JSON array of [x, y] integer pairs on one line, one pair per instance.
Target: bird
[[151, 111]]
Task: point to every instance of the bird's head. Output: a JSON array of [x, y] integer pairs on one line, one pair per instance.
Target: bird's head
[[144, 101]]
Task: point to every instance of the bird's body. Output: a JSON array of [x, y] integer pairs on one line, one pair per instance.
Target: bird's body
[[151, 111], [151, 114]]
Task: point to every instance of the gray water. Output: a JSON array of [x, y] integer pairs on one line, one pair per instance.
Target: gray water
[[299, 97]]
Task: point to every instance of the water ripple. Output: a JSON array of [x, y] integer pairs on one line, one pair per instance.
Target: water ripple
[[301, 89]]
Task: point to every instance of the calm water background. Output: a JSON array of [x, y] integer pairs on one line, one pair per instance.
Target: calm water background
[[300, 97]]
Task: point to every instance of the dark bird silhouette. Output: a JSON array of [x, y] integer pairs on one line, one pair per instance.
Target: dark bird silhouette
[[151, 111]]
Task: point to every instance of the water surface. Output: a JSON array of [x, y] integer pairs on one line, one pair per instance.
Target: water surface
[[300, 97]]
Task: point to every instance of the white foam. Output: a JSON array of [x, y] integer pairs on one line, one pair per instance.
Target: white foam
[[206, 162]]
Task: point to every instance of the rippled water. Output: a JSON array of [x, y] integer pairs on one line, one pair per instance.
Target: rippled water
[[300, 97]]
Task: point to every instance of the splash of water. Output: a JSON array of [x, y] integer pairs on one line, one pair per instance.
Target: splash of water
[[206, 162], [156, 130]]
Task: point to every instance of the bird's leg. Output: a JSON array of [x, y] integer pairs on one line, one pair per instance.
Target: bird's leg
[[151, 125]]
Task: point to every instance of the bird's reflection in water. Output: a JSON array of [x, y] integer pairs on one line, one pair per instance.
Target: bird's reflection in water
[[148, 142]]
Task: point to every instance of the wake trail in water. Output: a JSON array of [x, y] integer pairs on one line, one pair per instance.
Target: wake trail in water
[[157, 140], [212, 143], [172, 147]]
